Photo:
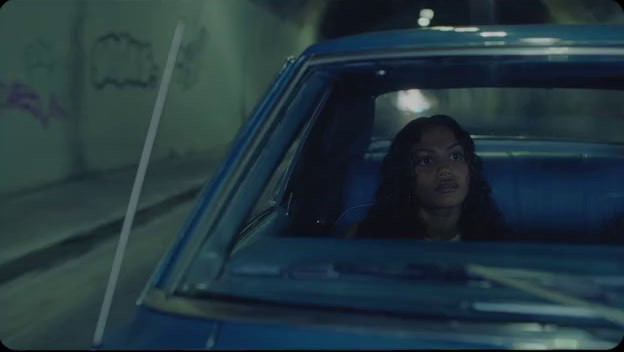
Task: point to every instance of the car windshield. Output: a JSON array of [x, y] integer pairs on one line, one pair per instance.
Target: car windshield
[[548, 137]]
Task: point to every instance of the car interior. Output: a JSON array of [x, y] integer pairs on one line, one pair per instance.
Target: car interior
[[548, 190]]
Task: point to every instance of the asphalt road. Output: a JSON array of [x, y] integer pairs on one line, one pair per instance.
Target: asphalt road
[[57, 308]]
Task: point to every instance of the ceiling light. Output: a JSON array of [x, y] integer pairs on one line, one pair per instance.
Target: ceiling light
[[426, 13], [493, 34], [467, 29]]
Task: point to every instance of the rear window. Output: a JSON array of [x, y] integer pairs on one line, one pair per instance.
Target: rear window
[[560, 113]]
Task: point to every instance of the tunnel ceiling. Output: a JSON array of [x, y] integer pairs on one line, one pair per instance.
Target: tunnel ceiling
[[291, 10], [348, 17]]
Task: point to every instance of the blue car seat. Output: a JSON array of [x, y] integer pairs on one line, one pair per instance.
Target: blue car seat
[[546, 190]]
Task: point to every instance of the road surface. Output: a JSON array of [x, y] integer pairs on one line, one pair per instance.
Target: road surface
[[57, 308]]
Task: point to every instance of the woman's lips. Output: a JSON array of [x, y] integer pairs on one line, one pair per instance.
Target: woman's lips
[[447, 187]]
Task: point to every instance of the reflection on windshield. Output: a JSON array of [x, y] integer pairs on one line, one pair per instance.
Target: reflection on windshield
[[577, 114]]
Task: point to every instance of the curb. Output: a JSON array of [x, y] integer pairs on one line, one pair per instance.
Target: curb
[[82, 242]]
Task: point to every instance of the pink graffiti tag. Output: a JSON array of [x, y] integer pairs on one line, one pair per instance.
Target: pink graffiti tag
[[24, 98]]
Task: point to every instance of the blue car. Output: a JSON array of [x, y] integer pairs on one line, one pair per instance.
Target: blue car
[[266, 259]]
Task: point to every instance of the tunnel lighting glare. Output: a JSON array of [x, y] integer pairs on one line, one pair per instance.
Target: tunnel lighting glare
[[423, 21], [528, 327], [493, 34], [467, 29], [412, 100], [540, 40], [443, 28], [530, 346], [426, 13], [557, 51], [563, 343], [537, 309]]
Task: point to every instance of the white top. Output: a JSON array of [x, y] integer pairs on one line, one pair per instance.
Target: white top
[[456, 238]]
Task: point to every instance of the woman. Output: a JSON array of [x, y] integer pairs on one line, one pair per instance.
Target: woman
[[432, 187]]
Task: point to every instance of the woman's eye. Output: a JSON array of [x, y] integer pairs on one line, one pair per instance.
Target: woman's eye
[[457, 156], [425, 161]]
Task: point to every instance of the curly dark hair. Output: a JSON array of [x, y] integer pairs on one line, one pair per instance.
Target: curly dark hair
[[394, 212]]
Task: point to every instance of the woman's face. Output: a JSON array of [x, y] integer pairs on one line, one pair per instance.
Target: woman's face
[[441, 172]]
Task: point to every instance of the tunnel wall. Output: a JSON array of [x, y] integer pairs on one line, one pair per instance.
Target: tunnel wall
[[79, 86], [33, 95]]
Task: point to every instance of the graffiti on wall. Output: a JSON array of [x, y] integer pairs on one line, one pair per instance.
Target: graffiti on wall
[[119, 60], [20, 96], [189, 60], [39, 55], [45, 101]]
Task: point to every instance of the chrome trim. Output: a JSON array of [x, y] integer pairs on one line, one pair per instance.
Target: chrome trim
[[247, 313], [304, 138], [287, 62], [520, 154], [214, 334], [538, 139], [290, 195], [210, 217], [150, 281], [493, 154], [322, 59], [496, 333], [535, 308]]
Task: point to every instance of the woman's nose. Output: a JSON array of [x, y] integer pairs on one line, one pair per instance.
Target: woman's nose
[[445, 171]]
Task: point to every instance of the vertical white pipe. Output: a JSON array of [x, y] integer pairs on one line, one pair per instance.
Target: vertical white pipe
[[138, 183]]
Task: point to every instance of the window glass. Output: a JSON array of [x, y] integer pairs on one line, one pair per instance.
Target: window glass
[[576, 114], [269, 195], [556, 194]]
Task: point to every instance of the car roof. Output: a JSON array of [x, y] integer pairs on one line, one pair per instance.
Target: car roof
[[601, 35]]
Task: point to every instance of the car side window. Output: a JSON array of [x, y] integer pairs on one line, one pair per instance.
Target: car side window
[[269, 195]]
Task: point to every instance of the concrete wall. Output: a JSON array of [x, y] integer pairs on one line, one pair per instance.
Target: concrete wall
[[95, 67], [34, 120]]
